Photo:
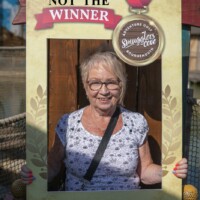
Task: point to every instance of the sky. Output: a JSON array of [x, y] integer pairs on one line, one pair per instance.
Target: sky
[[8, 11]]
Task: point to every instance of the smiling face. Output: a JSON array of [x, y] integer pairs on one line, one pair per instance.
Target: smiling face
[[106, 68], [103, 100]]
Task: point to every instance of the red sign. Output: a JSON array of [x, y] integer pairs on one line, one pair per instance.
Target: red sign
[[76, 14]]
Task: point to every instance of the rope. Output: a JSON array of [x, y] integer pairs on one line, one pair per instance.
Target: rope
[[12, 119]]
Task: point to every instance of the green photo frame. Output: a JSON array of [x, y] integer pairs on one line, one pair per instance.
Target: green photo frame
[[40, 30]]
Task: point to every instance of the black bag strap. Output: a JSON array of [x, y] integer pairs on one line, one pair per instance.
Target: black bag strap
[[102, 146]]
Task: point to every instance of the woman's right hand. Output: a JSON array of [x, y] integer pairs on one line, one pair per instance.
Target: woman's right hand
[[26, 175]]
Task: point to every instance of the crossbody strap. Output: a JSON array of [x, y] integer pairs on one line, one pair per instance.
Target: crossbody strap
[[102, 146]]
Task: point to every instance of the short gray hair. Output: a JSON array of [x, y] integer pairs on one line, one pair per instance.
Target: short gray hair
[[110, 61]]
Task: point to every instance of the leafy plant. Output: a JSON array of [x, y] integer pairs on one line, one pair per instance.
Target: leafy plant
[[36, 140], [172, 129]]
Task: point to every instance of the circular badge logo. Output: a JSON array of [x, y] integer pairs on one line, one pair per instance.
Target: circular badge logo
[[138, 40]]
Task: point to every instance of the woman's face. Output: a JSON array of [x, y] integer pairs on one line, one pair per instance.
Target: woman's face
[[104, 99]]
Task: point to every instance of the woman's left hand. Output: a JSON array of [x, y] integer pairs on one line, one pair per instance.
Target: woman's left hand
[[180, 169]]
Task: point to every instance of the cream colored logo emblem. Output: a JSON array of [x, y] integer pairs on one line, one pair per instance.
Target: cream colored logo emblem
[[138, 40]]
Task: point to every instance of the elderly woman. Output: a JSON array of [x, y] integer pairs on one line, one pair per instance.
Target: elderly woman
[[126, 160]]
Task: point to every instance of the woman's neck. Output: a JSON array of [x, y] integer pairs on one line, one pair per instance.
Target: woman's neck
[[96, 122], [95, 112]]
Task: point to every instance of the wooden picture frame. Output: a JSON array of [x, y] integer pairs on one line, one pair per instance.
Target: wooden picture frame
[[49, 46]]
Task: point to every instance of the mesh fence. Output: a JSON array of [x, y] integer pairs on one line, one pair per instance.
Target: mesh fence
[[12, 150], [194, 149]]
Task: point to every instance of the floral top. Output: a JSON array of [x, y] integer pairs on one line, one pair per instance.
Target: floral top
[[117, 168]]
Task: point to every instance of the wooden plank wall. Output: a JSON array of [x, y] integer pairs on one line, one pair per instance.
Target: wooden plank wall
[[66, 93], [62, 81]]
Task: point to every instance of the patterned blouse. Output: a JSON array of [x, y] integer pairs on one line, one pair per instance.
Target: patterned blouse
[[117, 168]]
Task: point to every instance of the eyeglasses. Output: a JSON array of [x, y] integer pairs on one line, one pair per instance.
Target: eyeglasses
[[97, 85]]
